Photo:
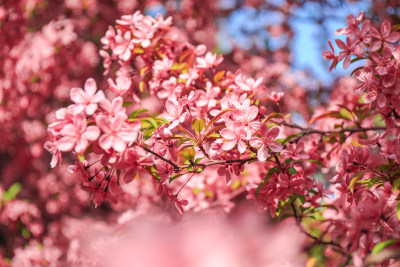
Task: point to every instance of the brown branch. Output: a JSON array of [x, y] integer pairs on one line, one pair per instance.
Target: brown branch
[[307, 131], [317, 239], [176, 167]]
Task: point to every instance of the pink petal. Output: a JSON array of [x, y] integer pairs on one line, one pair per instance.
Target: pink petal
[[275, 146], [341, 44], [118, 144], [229, 145], [273, 133], [241, 146], [393, 37], [92, 133], [262, 153], [228, 134], [90, 87], [77, 95], [99, 96], [255, 142], [385, 29], [106, 141], [66, 143], [91, 109], [81, 145], [103, 123], [252, 113], [346, 62]]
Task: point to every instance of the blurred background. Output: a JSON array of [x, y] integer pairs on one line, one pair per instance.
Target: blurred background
[[49, 47]]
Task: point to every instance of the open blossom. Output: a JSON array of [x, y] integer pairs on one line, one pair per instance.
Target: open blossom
[[87, 99], [248, 84], [384, 37], [208, 98], [77, 134], [209, 61], [235, 135], [117, 133], [122, 85], [295, 151], [266, 141], [328, 55], [123, 45], [351, 22], [350, 48], [175, 113], [248, 118], [170, 89], [144, 32], [114, 107]]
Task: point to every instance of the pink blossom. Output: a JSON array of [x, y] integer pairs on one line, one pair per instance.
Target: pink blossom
[[384, 37], [87, 99], [209, 61], [124, 83], [114, 107], [208, 98], [144, 32], [77, 134], [117, 133], [235, 135], [266, 141], [295, 151], [175, 113], [328, 55], [123, 45]]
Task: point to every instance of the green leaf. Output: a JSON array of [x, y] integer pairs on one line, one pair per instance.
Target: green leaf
[[173, 177], [137, 112], [197, 161], [380, 246], [81, 157], [398, 210], [235, 185], [182, 140], [265, 180], [396, 184], [292, 171], [12, 192], [199, 125], [287, 139], [395, 27], [219, 75], [189, 153], [271, 116], [127, 104]]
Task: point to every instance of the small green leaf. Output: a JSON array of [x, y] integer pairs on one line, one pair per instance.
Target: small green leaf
[[173, 177], [219, 75], [287, 139], [198, 160], [292, 171], [189, 153], [137, 112], [398, 210], [127, 104], [380, 246], [12, 192], [199, 125], [81, 157]]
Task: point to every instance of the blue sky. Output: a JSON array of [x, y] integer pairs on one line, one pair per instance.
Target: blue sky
[[246, 27]]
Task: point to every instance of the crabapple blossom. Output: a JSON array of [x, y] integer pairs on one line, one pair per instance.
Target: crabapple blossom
[[87, 99]]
